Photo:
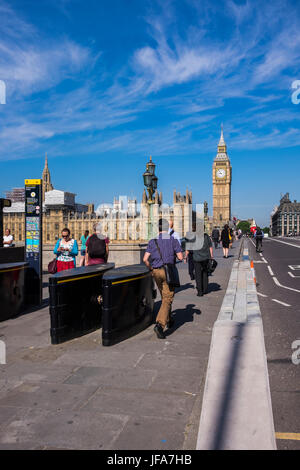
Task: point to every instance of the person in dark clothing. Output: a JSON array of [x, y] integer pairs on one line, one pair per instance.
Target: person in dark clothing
[[215, 236], [225, 240], [258, 235], [189, 238], [200, 259], [191, 266]]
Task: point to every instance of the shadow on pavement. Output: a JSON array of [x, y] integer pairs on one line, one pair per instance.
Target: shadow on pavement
[[188, 285], [213, 287], [183, 315]]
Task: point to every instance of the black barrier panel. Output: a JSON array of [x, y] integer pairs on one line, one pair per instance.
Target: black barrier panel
[[13, 254], [12, 289], [75, 301], [127, 309]]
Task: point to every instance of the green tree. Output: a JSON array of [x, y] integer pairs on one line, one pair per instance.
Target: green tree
[[244, 225], [266, 230]]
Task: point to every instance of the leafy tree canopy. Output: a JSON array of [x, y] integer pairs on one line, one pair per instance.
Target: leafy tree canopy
[[244, 225]]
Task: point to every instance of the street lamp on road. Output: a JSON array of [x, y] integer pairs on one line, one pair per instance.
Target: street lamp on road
[[150, 181]]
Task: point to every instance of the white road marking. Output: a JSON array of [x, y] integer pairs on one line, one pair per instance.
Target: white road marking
[[264, 260], [282, 303], [270, 271], [292, 275], [260, 262], [286, 243], [262, 295], [294, 266], [285, 287]]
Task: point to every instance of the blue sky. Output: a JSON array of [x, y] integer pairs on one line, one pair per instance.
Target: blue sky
[[102, 84]]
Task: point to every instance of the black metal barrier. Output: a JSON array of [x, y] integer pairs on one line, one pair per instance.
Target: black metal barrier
[[75, 301], [12, 289], [128, 299], [14, 254]]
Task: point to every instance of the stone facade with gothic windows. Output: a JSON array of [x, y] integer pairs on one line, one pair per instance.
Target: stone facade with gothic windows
[[123, 221]]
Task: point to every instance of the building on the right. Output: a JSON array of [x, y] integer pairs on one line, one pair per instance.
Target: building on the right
[[285, 217]]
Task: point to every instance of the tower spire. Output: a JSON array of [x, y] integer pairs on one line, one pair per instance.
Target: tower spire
[[47, 186], [222, 141]]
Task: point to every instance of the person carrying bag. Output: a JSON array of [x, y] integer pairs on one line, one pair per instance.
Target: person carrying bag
[[172, 276], [203, 261], [163, 252]]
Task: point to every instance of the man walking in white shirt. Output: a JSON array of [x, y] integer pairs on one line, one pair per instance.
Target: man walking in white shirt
[[172, 232]]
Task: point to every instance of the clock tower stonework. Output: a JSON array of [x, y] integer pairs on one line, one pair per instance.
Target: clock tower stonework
[[221, 185]]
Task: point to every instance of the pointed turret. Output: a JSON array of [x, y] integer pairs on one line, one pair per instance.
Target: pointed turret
[[160, 198], [222, 148], [47, 186]]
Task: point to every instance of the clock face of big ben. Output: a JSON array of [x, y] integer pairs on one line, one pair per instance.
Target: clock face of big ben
[[221, 173]]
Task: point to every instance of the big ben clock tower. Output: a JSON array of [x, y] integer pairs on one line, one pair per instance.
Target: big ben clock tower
[[221, 185]]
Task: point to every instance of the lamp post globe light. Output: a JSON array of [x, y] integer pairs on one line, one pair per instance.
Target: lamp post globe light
[[150, 181]]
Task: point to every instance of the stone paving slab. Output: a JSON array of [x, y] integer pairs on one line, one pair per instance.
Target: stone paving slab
[[64, 430], [142, 402], [107, 377]]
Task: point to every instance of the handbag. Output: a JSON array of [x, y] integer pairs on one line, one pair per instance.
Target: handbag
[[172, 276], [211, 265], [52, 266]]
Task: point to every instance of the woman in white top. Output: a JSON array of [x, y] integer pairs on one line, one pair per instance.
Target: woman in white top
[[7, 239]]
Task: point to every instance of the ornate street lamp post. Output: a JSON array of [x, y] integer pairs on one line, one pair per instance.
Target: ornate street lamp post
[[150, 181]]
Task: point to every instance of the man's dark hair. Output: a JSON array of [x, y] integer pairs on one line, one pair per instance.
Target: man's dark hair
[[66, 230], [163, 225]]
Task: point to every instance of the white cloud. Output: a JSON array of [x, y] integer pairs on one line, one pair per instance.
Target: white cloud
[[29, 62]]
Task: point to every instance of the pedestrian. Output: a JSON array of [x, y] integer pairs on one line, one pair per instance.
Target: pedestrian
[[201, 259], [96, 248], [172, 232], [215, 236], [83, 247], [66, 250], [231, 237], [225, 240], [258, 235], [162, 250], [8, 239], [190, 237]]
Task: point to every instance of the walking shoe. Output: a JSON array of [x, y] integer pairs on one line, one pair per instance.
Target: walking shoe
[[159, 331]]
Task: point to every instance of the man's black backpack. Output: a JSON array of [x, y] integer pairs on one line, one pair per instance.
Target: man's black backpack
[[96, 247], [259, 234]]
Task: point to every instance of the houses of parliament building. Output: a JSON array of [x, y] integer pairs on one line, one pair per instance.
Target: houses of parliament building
[[125, 220]]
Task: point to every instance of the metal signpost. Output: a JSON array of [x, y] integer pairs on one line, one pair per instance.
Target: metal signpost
[[33, 238]]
